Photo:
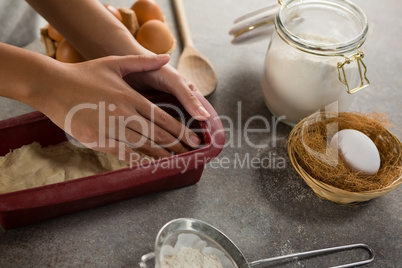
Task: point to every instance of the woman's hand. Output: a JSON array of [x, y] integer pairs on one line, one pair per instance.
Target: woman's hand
[[168, 79], [92, 102]]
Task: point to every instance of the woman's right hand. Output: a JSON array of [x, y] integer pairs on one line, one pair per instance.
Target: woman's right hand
[[92, 103]]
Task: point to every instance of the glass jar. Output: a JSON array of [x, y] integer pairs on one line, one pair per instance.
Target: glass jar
[[314, 61]]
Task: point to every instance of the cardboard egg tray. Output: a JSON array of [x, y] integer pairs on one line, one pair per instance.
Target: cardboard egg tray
[[129, 19]]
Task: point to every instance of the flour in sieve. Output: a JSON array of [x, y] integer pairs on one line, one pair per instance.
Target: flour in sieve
[[191, 258]]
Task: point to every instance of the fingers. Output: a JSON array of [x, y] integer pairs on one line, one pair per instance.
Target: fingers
[[134, 146], [142, 134], [186, 93], [144, 145], [141, 63], [166, 130], [123, 152], [169, 80], [147, 136]]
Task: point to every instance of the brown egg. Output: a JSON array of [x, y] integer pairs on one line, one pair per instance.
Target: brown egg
[[114, 11], [54, 34], [155, 36], [66, 53], [146, 10]]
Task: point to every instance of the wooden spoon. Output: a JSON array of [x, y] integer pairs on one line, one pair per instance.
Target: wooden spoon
[[192, 64]]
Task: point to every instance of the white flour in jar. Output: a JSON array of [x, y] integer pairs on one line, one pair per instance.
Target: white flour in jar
[[191, 258], [296, 83]]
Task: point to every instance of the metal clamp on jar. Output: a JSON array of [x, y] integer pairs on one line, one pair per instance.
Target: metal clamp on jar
[[314, 61]]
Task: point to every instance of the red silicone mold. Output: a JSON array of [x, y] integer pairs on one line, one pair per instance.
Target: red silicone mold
[[37, 204]]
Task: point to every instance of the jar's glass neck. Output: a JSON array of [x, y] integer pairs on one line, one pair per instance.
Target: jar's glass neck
[[322, 27]]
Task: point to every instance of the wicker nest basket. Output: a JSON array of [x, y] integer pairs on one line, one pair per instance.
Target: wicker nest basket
[[389, 146]]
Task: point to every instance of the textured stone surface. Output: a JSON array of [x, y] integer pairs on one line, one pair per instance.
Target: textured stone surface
[[266, 211]]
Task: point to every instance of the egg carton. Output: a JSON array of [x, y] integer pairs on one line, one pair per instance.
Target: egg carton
[[129, 20]]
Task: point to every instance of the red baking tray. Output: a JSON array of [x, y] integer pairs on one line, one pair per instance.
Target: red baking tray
[[37, 204]]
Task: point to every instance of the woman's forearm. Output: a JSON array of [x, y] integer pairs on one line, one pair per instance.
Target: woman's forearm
[[89, 27], [21, 72]]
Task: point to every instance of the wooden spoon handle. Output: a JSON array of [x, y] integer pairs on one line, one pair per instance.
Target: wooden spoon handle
[[182, 23]]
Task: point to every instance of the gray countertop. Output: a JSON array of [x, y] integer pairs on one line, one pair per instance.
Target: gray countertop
[[266, 211]]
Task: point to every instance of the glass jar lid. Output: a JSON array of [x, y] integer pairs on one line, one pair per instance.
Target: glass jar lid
[[306, 25], [323, 27]]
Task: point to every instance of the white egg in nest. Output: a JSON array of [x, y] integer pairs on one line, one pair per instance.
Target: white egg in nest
[[357, 151]]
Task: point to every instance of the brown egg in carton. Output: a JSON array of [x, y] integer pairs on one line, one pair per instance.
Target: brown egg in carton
[[129, 20]]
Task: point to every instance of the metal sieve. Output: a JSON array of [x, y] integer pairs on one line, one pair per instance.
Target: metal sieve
[[216, 239]]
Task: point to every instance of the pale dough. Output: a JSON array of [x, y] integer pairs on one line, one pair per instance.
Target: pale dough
[[32, 165]]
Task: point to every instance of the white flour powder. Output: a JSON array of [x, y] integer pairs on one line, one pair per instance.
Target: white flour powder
[[191, 258], [297, 84]]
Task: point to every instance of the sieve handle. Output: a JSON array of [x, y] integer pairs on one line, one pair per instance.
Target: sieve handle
[[320, 252], [145, 258]]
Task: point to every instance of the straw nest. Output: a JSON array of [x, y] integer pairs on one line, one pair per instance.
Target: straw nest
[[322, 168]]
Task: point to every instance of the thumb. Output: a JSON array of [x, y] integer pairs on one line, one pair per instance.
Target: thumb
[[141, 63]]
